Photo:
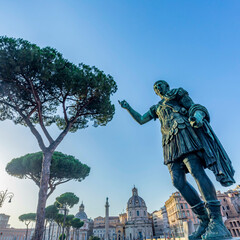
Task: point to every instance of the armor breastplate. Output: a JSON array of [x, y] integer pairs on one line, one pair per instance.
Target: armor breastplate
[[172, 117]]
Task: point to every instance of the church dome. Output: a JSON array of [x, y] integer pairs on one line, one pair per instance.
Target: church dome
[[135, 201], [81, 214]]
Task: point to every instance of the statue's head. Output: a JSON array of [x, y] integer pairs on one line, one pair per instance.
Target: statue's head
[[161, 87]]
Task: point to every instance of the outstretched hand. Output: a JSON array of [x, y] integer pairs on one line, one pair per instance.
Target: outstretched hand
[[124, 104]]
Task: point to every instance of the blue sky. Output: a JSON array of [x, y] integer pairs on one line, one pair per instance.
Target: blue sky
[[190, 44]]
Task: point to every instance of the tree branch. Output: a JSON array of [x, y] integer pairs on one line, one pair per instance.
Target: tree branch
[[39, 107], [51, 191], [60, 182], [54, 145], [31, 112], [64, 109], [30, 125], [34, 179]]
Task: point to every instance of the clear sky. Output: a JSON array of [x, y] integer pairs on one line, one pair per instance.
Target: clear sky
[[190, 44]]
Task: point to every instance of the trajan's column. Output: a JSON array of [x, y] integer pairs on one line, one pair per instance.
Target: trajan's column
[[106, 219]]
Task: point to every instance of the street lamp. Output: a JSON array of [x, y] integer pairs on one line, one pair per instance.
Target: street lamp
[[4, 195]]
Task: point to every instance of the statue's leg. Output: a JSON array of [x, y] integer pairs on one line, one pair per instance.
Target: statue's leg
[[205, 185], [179, 181], [178, 176], [216, 229]]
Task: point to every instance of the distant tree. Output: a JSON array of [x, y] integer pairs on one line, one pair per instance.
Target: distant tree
[[62, 237], [50, 214], [76, 224], [59, 220], [68, 224], [27, 219], [36, 84], [94, 238], [63, 169], [65, 201]]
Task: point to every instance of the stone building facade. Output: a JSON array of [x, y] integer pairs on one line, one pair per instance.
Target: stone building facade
[[15, 233], [179, 211], [230, 202], [4, 220], [100, 232], [138, 225], [100, 221], [99, 227], [87, 229], [123, 218], [82, 234], [106, 228], [160, 223]]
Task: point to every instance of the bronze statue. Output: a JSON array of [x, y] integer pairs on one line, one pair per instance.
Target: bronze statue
[[190, 145]]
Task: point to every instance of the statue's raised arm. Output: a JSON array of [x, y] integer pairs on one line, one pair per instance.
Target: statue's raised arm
[[141, 119]]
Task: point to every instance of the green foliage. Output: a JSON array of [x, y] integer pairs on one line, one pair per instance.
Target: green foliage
[[30, 74], [69, 219], [77, 223], [51, 212], [59, 219], [94, 238], [39, 86], [60, 237], [63, 168], [28, 217], [67, 199]]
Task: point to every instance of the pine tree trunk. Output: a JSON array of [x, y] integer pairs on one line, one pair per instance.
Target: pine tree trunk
[[64, 220], [45, 227], [26, 232], [49, 230], [59, 231], [52, 231], [42, 196]]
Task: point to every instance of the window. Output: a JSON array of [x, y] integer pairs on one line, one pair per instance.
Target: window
[[137, 213], [188, 213], [234, 223], [228, 208], [231, 224], [186, 206], [130, 213], [145, 214], [223, 208]]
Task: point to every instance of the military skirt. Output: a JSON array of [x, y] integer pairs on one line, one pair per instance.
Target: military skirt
[[184, 139]]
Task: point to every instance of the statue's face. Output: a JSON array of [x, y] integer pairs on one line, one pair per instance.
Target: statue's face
[[161, 88]]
